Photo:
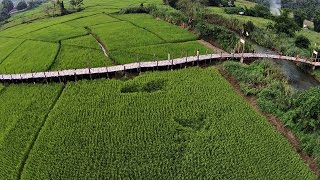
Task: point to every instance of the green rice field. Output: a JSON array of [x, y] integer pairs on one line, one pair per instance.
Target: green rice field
[[30, 56], [23, 109], [150, 127], [159, 52], [124, 36], [73, 57], [179, 124]]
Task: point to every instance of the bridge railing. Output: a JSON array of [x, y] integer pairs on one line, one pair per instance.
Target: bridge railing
[[152, 64]]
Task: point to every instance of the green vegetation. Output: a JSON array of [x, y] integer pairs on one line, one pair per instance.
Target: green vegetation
[[7, 45], [243, 3], [316, 22], [313, 36], [302, 42], [298, 110], [5, 7], [162, 29], [226, 39], [286, 25], [121, 35], [255, 77], [124, 36], [185, 124], [267, 33], [258, 21], [23, 110], [30, 56], [83, 41], [22, 5], [155, 129], [158, 52], [299, 17], [74, 57], [56, 33], [91, 21], [22, 29]]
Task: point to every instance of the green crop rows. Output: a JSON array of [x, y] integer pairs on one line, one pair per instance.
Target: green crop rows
[[158, 52], [73, 57], [83, 41], [56, 33], [30, 56], [168, 32], [162, 125], [92, 20], [22, 111], [121, 35], [126, 38], [7, 45]]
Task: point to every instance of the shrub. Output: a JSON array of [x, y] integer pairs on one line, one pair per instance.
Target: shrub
[[154, 85], [285, 24], [149, 87], [316, 22], [130, 88], [170, 15], [138, 9], [249, 27], [172, 3], [234, 10], [302, 42], [306, 110], [22, 5], [275, 99], [259, 11], [299, 17], [225, 38]]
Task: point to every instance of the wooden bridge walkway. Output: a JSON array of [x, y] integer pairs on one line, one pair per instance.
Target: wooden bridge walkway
[[152, 64]]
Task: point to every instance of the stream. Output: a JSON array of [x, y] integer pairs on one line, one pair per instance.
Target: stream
[[298, 78]]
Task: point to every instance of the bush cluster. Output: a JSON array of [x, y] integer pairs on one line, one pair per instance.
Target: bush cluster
[[256, 11], [299, 110]]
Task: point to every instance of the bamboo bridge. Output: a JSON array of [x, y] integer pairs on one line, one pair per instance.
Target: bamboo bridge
[[137, 66]]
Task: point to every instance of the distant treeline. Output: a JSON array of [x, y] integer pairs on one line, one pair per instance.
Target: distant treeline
[[6, 6], [310, 7]]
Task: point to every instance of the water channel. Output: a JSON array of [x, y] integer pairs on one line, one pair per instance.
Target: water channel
[[298, 78]]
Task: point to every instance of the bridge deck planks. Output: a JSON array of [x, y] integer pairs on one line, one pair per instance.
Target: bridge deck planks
[[150, 64]]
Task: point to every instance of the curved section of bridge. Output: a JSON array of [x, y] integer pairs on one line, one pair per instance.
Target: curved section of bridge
[[152, 64]]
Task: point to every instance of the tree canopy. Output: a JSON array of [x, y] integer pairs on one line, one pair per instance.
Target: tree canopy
[[285, 24]]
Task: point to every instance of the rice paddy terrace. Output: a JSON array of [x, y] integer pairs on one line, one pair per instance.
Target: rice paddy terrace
[[183, 124]]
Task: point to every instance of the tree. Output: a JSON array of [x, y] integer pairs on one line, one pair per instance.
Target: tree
[[7, 4], [22, 5], [77, 4], [259, 11], [31, 4], [302, 42], [5, 7], [299, 17], [214, 2], [47, 9], [285, 24], [316, 22], [193, 9], [63, 11], [248, 27], [172, 3]]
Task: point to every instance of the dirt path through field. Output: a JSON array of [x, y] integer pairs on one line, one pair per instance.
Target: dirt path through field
[[210, 46], [277, 123]]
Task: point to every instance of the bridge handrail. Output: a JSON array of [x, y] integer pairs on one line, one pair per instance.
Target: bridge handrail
[[149, 64]]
